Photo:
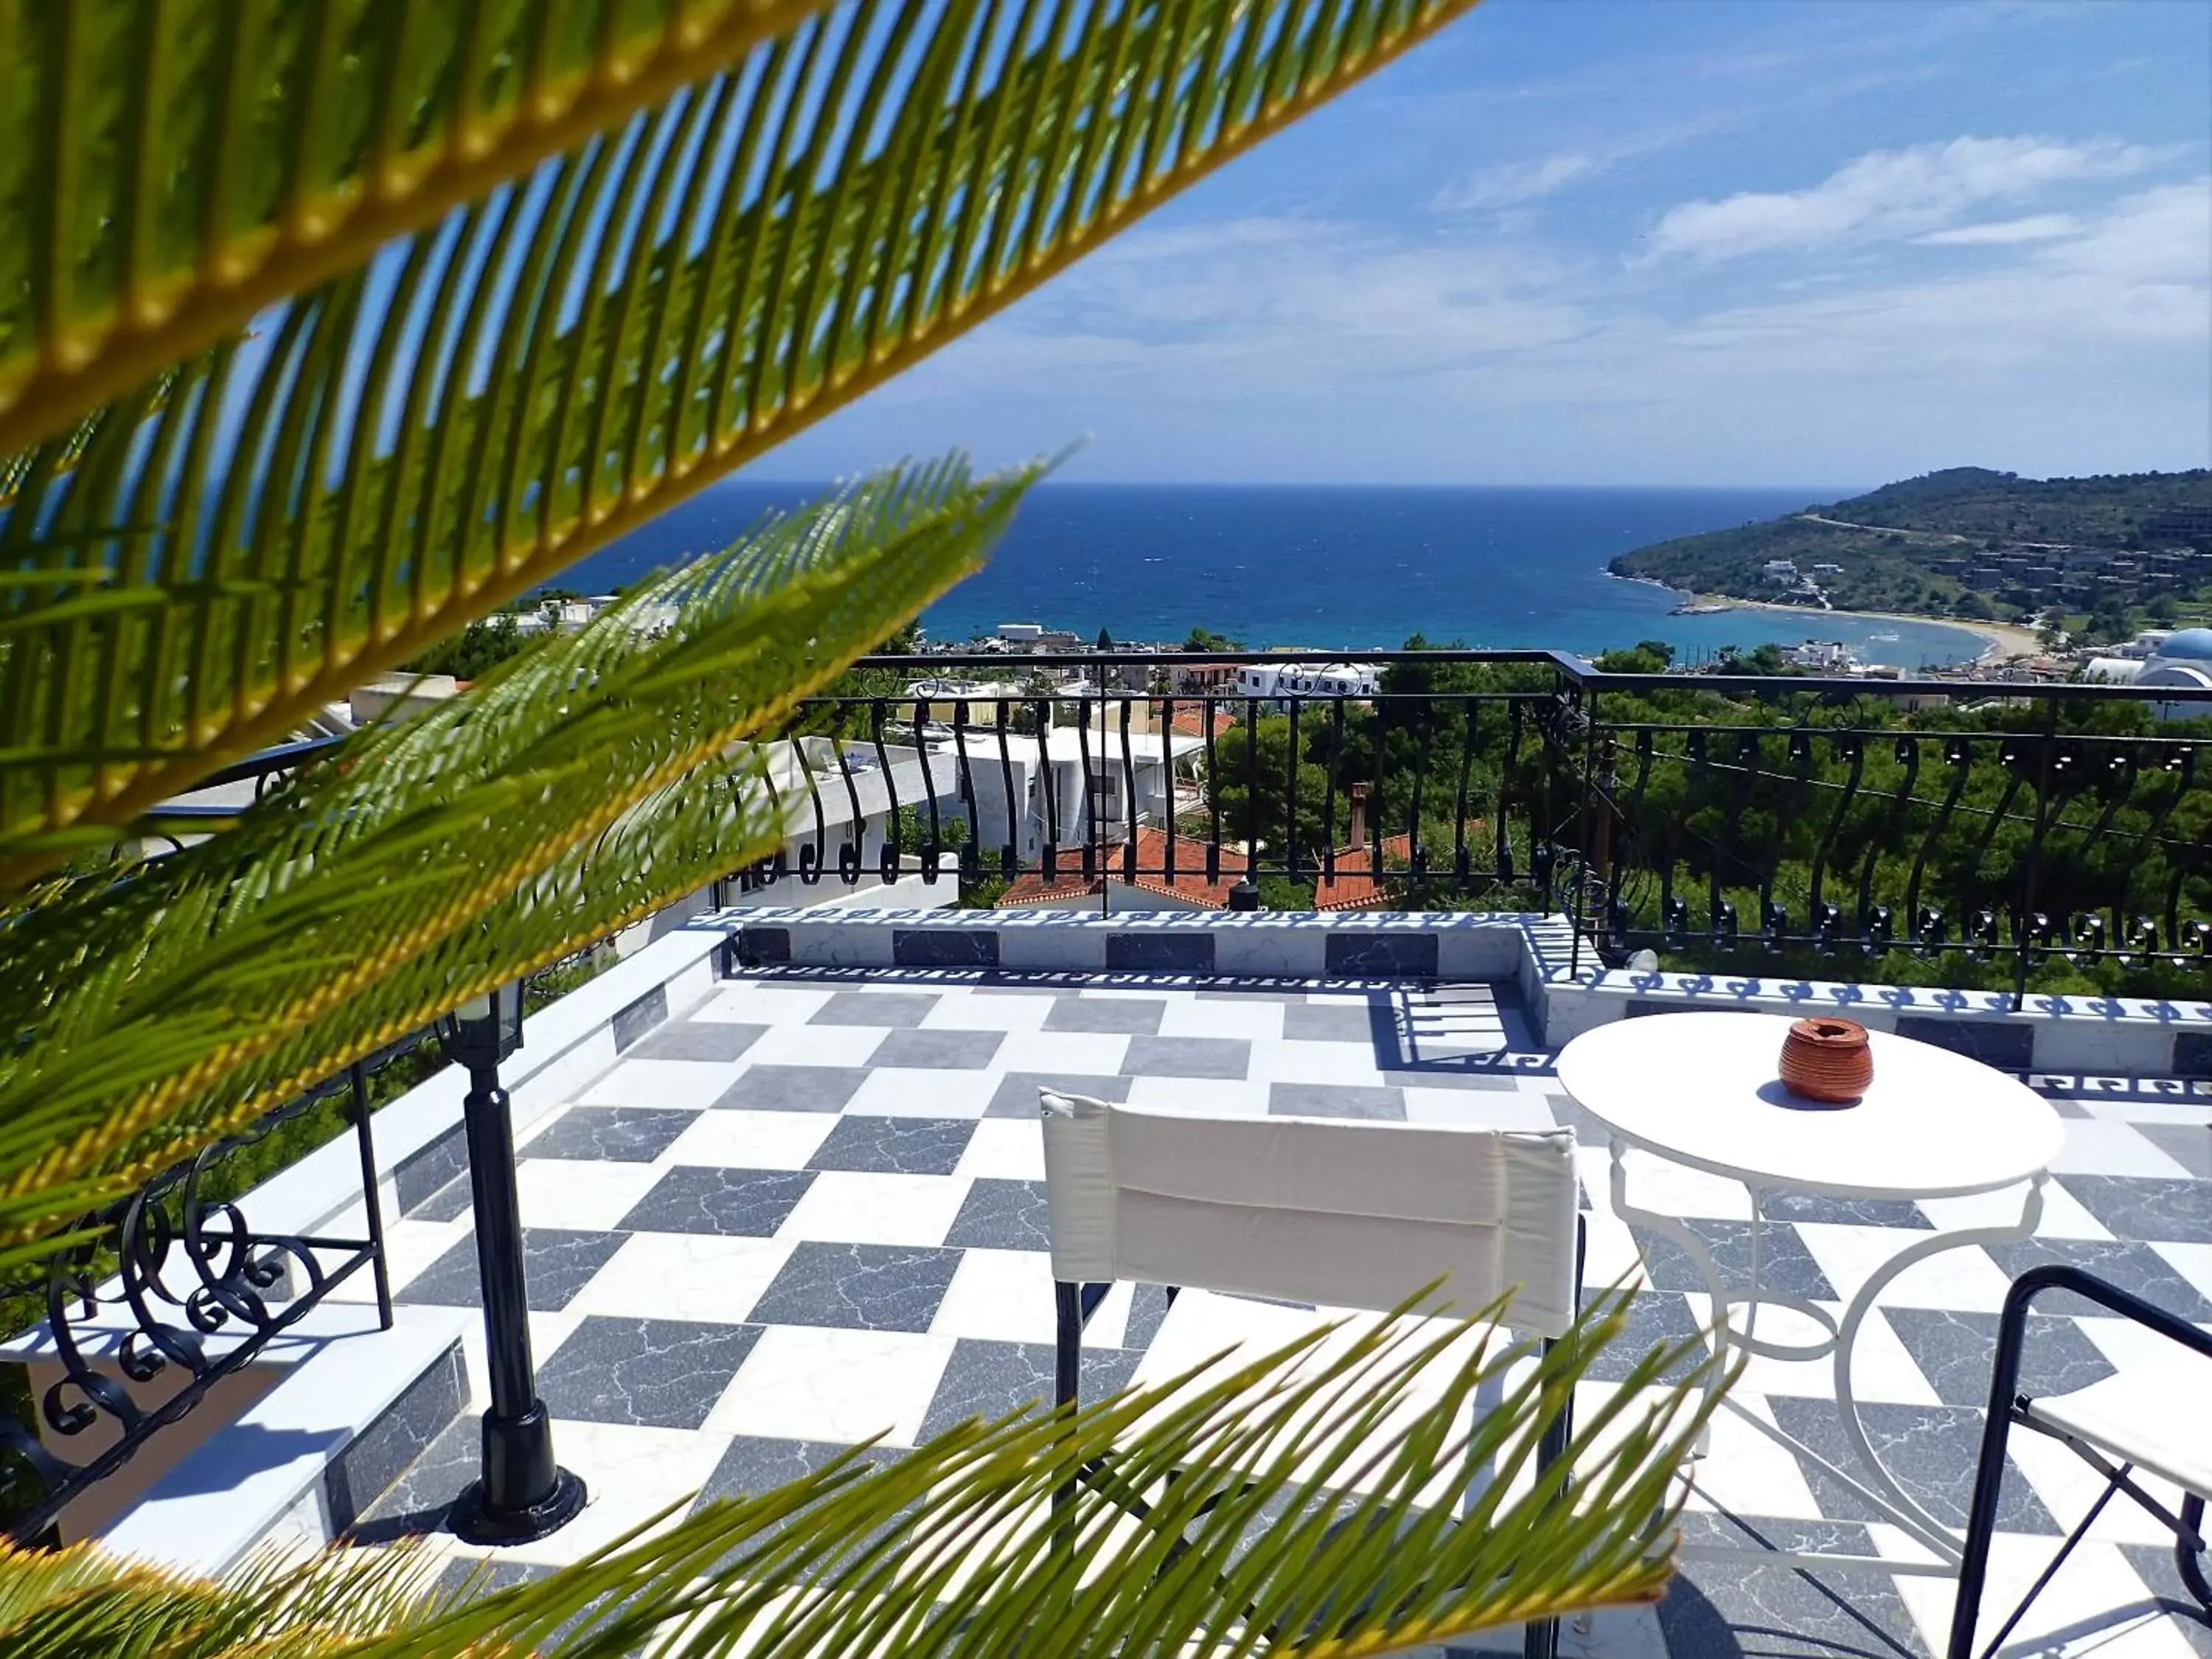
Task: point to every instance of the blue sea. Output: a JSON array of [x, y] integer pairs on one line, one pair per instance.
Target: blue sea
[[1355, 567]]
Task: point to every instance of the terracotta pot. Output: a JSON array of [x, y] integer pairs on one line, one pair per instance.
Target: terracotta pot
[[1825, 1058]]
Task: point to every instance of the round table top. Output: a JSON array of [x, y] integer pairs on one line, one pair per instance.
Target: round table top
[[1701, 1088]]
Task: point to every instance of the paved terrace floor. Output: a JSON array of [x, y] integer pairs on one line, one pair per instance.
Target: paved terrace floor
[[814, 1210]]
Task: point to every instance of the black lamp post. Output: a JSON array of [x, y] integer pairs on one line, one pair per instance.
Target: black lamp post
[[522, 1493]]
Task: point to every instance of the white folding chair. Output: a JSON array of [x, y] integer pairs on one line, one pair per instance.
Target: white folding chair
[[1344, 1214], [2153, 1415]]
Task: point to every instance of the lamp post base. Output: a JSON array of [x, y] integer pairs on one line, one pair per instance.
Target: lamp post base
[[473, 1524]]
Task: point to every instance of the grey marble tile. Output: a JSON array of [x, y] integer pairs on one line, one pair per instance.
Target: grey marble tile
[[1003, 1215], [631, 1023], [1655, 1318], [449, 1203], [1159, 1056], [895, 1146], [878, 1287], [991, 1380], [2153, 1563], [1339, 1022], [2008, 1047], [2136, 1268], [1381, 955], [416, 1502], [945, 947], [2192, 1054], [732, 1203], [380, 1455], [752, 1467], [1148, 1309], [1785, 1263], [894, 1008], [1336, 1100], [1179, 953], [1264, 993], [1776, 1205], [763, 946], [1454, 1072], [1017, 1094], [939, 1051], [1731, 1610], [1931, 1450], [610, 1134], [1137, 1016], [1956, 1352], [2188, 1145], [659, 1373], [793, 1088], [557, 1261], [2151, 1208], [698, 1039], [431, 1168]]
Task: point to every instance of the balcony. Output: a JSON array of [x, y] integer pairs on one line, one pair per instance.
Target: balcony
[[782, 1182]]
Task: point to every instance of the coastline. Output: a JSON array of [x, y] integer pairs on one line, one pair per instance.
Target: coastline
[[2006, 642]]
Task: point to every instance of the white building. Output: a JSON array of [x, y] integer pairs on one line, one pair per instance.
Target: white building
[[1279, 681], [1781, 570], [2181, 660], [1071, 784]]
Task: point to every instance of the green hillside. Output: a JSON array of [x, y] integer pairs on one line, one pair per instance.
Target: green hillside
[[1973, 543]]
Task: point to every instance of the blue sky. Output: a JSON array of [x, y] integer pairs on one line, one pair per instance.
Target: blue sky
[[1647, 242]]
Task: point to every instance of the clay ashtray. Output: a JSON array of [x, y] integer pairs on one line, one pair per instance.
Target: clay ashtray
[[1827, 1059]]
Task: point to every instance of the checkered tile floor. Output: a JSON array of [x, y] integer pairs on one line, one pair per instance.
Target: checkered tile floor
[[814, 1210]]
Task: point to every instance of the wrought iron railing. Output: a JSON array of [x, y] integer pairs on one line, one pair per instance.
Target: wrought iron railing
[[173, 1281]]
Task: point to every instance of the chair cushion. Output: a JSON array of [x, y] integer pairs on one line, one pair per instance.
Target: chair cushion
[[2154, 1412]]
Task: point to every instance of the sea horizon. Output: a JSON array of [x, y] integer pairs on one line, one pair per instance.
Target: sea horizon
[[1356, 567]]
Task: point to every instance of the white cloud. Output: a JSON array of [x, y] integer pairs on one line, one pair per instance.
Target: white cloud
[[2003, 233], [1515, 182], [1891, 193]]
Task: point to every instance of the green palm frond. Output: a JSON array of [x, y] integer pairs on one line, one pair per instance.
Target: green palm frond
[[406, 446], [1299, 1507], [584, 783], [167, 171]]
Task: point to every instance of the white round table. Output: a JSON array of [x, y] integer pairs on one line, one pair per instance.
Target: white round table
[[1701, 1089]]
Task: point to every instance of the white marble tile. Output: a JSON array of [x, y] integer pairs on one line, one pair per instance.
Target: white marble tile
[[685, 1276], [750, 1003], [1882, 1370], [1259, 1017], [1746, 1471], [2100, 1146], [1213, 1096], [1963, 1280], [1091, 1053], [1669, 1188], [750, 1141], [919, 1092], [631, 1473], [1482, 1109], [2193, 1262], [1001, 1296], [1610, 1254], [2063, 1214], [1004, 1149], [410, 1245], [572, 1192], [811, 1045], [1285, 1062], [685, 1083], [801, 1383], [846, 1208], [2096, 1605], [959, 1011]]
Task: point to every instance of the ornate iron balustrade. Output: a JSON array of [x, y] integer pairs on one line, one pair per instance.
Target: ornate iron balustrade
[[197, 1290]]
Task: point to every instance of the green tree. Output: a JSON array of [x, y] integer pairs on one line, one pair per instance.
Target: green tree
[[1206, 640], [368, 500]]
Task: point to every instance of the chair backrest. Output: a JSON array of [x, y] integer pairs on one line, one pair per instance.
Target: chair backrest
[[1349, 1214]]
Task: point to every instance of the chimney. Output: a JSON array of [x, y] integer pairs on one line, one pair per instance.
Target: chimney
[[1360, 814]]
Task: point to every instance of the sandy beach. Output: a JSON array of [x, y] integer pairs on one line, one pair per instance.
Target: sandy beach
[[2006, 641]]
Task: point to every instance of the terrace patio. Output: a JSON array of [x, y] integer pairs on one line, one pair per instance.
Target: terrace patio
[[810, 1210]]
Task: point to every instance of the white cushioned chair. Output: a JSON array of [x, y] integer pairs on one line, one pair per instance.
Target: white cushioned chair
[[1344, 1214]]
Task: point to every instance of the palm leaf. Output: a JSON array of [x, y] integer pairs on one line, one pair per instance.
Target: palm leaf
[[404, 448], [1296, 1504], [585, 783], [169, 170]]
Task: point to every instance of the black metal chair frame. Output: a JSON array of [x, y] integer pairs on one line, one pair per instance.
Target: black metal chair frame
[[2008, 1407], [1077, 1303]]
